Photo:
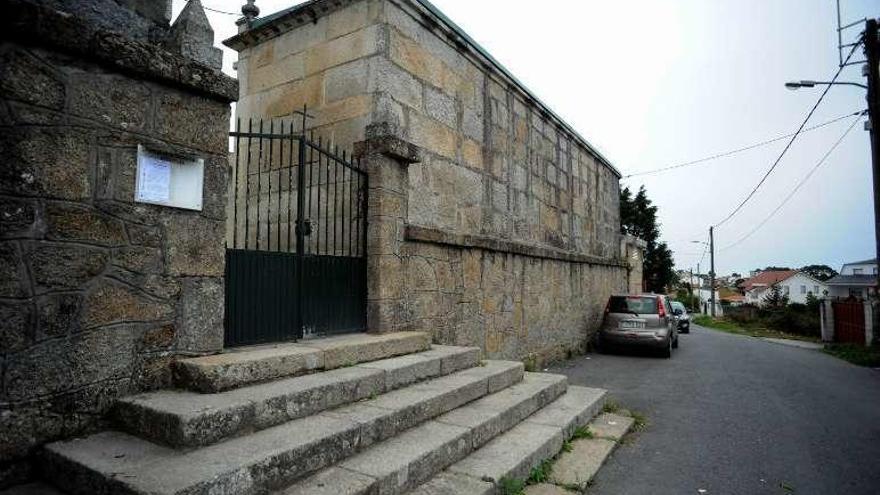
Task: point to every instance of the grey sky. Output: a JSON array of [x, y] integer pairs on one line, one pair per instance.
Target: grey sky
[[654, 83]]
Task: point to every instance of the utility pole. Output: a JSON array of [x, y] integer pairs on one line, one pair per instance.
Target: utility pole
[[712, 269], [872, 56], [691, 280]]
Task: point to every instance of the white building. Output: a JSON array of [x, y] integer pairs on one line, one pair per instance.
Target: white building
[[794, 284], [857, 279]]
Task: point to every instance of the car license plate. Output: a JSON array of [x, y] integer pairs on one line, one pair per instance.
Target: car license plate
[[632, 324]]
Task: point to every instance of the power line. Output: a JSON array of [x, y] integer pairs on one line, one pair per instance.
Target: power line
[[738, 150], [793, 138], [219, 11], [797, 187]]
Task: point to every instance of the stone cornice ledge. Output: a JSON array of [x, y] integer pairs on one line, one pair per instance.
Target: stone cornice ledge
[[382, 138], [436, 236], [39, 25]]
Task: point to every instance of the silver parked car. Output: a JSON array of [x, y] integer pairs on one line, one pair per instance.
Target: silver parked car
[[684, 318], [642, 320]]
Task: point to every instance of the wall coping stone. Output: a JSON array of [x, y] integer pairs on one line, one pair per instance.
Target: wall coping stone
[[436, 236], [36, 24]]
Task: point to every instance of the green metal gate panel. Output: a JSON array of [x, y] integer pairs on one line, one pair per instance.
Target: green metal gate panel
[[296, 253]]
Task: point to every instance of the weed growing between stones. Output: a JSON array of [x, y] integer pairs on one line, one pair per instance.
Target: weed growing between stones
[[541, 473], [511, 486], [610, 407], [582, 432]]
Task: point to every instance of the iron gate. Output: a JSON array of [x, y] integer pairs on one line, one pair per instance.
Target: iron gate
[[296, 249], [849, 322]]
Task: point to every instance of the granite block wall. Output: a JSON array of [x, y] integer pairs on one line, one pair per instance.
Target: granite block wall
[[505, 204], [99, 293]]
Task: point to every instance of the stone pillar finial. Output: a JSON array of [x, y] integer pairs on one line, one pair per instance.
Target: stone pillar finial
[[191, 35], [250, 11]]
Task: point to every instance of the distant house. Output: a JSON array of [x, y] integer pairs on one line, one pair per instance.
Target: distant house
[[857, 279], [794, 284]]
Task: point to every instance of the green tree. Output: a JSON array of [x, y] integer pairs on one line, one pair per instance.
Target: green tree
[[638, 217], [775, 298], [819, 272]]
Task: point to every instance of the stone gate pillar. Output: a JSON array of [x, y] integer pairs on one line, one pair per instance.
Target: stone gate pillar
[[386, 157]]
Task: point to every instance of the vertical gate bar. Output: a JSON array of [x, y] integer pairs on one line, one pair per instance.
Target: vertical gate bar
[[335, 198], [237, 173], [269, 194], [351, 226], [247, 178], [278, 200], [342, 212], [318, 206], [327, 205], [311, 178], [357, 239], [300, 239], [290, 186], [259, 186]]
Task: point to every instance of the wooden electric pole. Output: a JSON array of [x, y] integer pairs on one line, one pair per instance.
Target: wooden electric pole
[[872, 57], [712, 269]]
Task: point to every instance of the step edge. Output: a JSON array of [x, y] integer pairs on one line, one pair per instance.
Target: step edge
[[556, 386], [596, 406], [131, 414], [194, 374], [111, 482]]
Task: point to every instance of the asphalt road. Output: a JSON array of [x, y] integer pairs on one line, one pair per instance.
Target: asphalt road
[[737, 415]]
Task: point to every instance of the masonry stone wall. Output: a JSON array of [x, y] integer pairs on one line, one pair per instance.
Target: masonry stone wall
[[98, 293], [508, 227]]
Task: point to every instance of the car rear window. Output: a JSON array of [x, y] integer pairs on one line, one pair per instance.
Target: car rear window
[[633, 304]]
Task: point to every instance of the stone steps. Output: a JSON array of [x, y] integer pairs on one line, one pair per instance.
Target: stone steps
[[272, 458], [408, 459], [190, 419], [246, 366], [514, 453]]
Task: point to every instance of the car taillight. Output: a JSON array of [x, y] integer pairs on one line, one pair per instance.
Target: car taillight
[[661, 311]]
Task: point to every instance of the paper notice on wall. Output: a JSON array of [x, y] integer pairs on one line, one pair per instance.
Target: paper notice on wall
[[154, 180]]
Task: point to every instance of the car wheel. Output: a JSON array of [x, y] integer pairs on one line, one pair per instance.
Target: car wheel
[[667, 351]]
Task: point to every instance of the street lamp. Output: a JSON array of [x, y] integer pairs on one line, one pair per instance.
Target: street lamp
[[871, 70], [795, 85]]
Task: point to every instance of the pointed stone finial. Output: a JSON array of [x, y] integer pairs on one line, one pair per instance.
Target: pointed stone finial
[[250, 11], [191, 35]]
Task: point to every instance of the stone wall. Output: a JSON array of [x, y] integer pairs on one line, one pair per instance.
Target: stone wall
[[505, 205], [98, 293]]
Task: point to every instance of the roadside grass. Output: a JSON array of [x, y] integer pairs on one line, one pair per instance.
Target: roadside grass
[[855, 354], [728, 326]]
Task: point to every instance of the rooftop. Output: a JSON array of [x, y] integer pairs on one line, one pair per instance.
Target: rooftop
[[853, 280], [863, 262], [767, 278]]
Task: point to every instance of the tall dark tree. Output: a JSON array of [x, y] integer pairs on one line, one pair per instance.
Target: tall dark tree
[[775, 298], [819, 272], [638, 217]]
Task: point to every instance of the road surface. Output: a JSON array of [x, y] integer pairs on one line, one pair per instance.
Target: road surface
[[730, 414]]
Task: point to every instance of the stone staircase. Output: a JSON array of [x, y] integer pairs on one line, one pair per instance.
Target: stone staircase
[[358, 414]]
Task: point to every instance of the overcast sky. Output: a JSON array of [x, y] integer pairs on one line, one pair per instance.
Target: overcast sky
[[655, 83]]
